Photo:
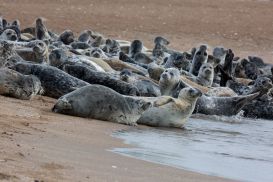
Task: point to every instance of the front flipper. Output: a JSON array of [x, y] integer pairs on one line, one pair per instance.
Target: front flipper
[[163, 100]]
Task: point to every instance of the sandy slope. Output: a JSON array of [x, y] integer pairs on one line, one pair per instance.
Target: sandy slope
[[38, 144]]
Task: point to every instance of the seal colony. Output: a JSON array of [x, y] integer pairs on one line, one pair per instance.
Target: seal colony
[[123, 81]]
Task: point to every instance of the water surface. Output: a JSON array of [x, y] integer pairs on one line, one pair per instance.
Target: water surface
[[231, 147]]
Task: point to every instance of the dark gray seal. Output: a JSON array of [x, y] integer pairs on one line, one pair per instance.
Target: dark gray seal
[[101, 78], [199, 58], [55, 82], [17, 85]]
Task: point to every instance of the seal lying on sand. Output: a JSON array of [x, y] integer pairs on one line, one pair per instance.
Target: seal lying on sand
[[169, 111], [100, 102], [101, 78], [17, 85], [55, 82]]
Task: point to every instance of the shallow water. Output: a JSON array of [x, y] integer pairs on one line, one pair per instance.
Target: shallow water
[[231, 147]]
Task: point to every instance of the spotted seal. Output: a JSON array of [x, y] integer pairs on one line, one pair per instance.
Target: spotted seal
[[171, 112], [55, 82], [19, 86], [103, 103]]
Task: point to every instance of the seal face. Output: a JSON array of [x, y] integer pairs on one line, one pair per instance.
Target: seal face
[[171, 112], [220, 53], [9, 34], [19, 86], [103, 103], [169, 82], [205, 75]]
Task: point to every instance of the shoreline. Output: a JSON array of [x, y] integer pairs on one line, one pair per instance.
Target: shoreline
[[39, 145]]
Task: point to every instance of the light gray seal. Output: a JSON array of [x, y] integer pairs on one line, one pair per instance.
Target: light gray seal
[[171, 112], [103, 103]]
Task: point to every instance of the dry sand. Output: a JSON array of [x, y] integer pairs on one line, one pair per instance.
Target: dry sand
[[38, 144]]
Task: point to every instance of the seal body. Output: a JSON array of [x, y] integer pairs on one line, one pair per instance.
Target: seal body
[[145, 86], [199, 58], [101, 78], [17, 85], [55, 82], [100, 102], [171, 112]]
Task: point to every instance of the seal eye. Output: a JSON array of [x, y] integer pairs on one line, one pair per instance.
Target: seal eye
[[9, 33], [171, 73], [205, 54]]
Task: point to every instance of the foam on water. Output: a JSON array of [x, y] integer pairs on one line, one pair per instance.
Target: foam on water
[[231, 147]]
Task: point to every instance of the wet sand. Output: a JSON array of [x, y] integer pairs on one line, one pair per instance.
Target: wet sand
[[38, 144]]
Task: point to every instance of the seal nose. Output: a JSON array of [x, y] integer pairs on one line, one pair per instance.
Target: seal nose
[[207, 71], [164, 75], [13, 38], [96, 55], [195, 92]]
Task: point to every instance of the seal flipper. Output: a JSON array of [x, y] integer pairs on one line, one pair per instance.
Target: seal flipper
[[241, 101], [163, 101]]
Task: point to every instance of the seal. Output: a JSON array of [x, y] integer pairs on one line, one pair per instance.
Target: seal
[[161, 40], [180, 61], [262, 84], [205, 75], [85, 36], [199, 58], [246, 69], [111, 47], [55, 82], [37, 53], [220, 53], [171, 84], [101, 78], [99, 40], [119, 65], [223, 106], [136, 47], [145, 86], [103, 103], [67, 37], [19, 86], [41, 32], [171, 112], [9, 34], [143, 58], [155, 71], [6, 52]]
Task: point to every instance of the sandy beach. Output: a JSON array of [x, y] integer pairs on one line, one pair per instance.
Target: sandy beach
[[36, 144]]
